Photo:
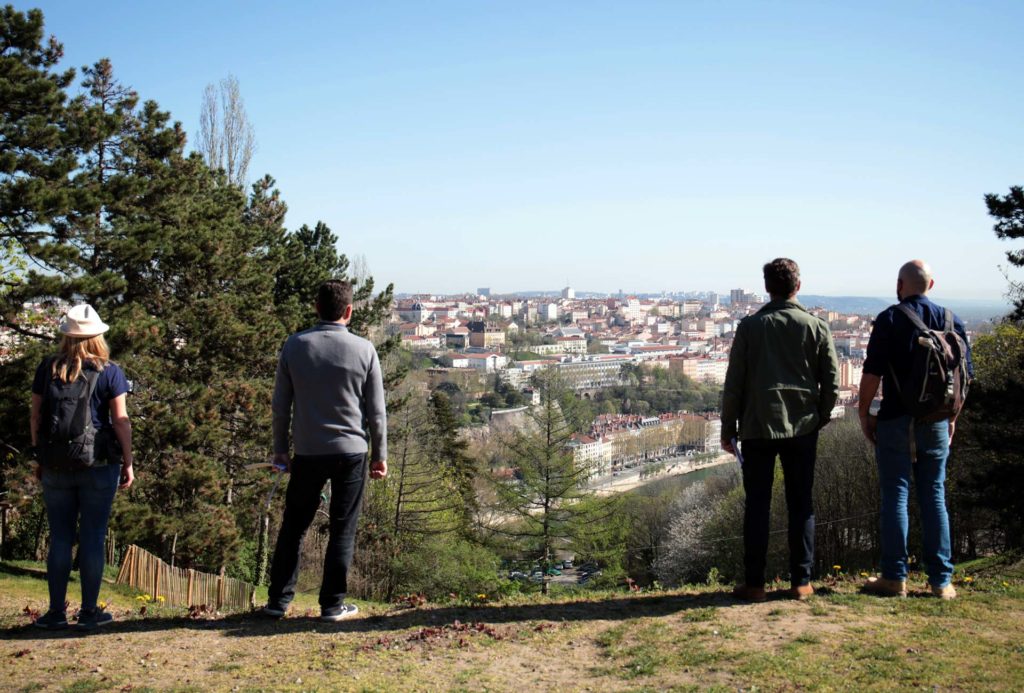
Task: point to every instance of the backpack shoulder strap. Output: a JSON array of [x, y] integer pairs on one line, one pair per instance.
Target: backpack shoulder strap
[[92, 377], [948, 320], [912, 316], [48, 370]]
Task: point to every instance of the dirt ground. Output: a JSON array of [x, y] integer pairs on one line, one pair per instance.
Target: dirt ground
[[695, 639]]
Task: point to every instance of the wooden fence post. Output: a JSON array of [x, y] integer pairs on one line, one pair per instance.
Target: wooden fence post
[[122, 574], [4, 507], [191, 580], [156, 579]]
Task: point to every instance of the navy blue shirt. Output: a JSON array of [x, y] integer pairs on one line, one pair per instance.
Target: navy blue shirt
[[891, 343], [111, 383]]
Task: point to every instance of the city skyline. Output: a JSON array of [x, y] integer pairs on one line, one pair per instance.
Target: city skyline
[[644, 147]]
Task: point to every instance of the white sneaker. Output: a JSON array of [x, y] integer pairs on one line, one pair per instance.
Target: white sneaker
[[339, 613]]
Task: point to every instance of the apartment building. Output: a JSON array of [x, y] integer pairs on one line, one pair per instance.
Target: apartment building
[[701, 369]]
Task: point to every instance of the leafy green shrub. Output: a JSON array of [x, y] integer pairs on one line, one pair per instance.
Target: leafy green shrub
[[441, 566]]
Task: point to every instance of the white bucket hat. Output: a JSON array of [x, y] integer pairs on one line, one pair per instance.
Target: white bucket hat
[[82, 321]]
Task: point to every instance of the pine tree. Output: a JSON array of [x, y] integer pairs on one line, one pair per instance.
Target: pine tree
[[429, 492], [1009, 214], [37, 154], [452, 456], [548, 505]]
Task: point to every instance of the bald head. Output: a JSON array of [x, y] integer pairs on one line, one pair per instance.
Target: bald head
[[915, 278]]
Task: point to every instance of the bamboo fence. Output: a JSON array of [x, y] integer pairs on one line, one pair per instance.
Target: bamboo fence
[[183, 586]]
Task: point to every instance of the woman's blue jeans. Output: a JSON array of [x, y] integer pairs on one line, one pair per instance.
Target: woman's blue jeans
[[895, 470], [79, 498]]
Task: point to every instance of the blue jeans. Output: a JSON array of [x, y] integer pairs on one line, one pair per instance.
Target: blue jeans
[[895, 469], [347, 474], [79, 498]]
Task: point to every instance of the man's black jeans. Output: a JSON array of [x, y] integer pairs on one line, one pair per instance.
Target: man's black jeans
[[309, 474], [797, 455]]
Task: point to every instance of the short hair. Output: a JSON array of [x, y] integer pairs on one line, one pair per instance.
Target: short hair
[[333, 297], [781, 277]]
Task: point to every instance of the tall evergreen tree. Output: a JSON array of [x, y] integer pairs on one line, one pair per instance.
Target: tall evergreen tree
[[1008, 211], [460, 469], [429, 492], [548, 506], [37, 154]]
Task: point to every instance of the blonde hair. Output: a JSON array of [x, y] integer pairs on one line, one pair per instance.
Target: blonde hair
[[73, 354]]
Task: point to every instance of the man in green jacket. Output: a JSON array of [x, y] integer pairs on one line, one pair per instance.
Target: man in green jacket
[[782, 383]]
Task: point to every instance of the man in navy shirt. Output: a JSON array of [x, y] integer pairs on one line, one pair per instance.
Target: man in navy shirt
[[903, 447]]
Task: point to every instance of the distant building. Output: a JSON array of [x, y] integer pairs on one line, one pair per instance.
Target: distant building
[[484, 291], [850, 372], [455, 360], [568, 293], [742, 297], [416, 343], [592, 372], [701, 369], [486, 363], [457, 338], [482, 335]]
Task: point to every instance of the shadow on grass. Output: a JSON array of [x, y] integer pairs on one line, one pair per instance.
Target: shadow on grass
[[253, 625], [21, 571]]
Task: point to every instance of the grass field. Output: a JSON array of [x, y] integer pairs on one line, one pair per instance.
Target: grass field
[[696, 638]]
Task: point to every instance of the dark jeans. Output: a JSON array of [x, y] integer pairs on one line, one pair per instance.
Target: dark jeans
[[347, 474], [797, 455], [81, 499]]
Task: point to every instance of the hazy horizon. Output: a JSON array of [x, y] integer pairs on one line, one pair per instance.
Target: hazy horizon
[[981, 302]]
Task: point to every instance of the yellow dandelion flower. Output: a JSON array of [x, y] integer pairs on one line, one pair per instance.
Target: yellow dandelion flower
[[161, 599], [863, 574], [102, 605], [968, 579], [837, 567], [1005, 583]]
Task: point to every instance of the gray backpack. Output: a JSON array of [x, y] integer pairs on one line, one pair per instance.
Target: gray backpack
[[937, 384]]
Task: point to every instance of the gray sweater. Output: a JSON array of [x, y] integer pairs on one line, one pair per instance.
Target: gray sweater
[[331, 380]]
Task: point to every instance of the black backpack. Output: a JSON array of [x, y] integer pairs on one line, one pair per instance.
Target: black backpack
[[67, 437], [936, 387]]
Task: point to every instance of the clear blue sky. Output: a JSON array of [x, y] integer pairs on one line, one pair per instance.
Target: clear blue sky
[[645, 146]]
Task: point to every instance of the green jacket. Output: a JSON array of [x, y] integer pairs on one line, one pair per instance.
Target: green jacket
[[783, 377]]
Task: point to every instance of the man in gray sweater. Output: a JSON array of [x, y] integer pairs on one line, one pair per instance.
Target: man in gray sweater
[[328, 391]]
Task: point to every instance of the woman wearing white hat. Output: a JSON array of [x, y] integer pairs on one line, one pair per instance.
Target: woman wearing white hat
[[79, 481]]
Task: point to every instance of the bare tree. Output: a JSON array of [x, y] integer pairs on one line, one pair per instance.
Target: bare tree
[[226, 137], [360, 271]]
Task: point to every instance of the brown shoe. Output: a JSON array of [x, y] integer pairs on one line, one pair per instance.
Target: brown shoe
[[946, 592], [881, 587], [798, 592], [749, 594]]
